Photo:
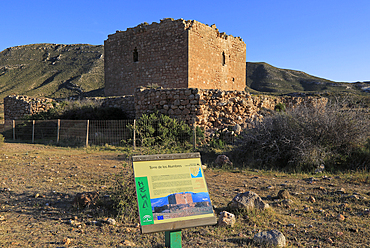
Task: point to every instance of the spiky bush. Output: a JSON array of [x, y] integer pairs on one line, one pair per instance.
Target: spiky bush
[[305, 137]]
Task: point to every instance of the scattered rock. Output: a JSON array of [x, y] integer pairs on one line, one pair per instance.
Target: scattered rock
[[321, 189], [66, 241], [353, 230], [340, 217], [237, 129], [127, 243], [343, 205], [311, 180], [354, 197], [307, 209], [326, 178], [320, 169], [283, 194], [311, 199], [2, 218], [74, 223], [110, 221], [290, 225], [248, 200], [94, 223], [286, 201], [341, 191], [86, 199], [223, 160], [226, 219], [273, 237], [329, 240]]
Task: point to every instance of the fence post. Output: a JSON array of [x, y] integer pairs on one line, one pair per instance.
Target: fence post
[[33, 131], [58, 130], [13, 124], [194, 134], [87, 133], [134, 140]]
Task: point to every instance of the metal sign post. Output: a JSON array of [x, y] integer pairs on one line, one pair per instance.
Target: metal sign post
[[173, 239]]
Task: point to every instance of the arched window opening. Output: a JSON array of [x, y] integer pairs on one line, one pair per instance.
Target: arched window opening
[[223, 58], [135, 55]]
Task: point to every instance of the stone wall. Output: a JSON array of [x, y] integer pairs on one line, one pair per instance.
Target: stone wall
[[213, 108], [126, 103], [16, 107], [208, 108], [173, 54]]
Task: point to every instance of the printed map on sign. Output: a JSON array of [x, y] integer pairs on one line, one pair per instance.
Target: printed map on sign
[[175, 190]]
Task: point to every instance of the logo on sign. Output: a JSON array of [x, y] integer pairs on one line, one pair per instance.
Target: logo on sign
[[147, 218]]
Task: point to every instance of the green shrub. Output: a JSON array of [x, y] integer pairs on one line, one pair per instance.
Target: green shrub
[[158, 129], [280, 107]]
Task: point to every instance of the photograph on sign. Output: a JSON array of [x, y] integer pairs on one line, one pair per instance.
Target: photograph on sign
[[172, 190]]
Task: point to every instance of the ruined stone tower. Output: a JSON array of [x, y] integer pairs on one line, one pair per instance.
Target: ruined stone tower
[[173, 54]]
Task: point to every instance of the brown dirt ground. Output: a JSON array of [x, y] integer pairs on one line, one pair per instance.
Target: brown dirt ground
[[38, 184]]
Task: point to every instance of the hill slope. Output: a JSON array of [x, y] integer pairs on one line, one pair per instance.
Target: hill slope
[[52, 70], [263, 77]]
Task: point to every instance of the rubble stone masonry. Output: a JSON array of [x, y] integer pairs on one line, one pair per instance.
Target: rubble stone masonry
[[173, 54], [214, 108], [16, 107], [209, 108]]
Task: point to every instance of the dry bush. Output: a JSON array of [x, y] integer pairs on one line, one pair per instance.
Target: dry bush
[[305, 137]]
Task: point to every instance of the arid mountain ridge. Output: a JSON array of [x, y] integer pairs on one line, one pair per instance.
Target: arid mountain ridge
[[60, 71]]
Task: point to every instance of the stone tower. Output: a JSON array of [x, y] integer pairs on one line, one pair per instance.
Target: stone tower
[[173, 54]]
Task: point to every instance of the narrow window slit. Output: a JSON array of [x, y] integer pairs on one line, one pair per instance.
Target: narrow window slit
[[135, 55]]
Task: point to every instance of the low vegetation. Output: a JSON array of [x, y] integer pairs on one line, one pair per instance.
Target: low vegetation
[[80, 110], [304, 138]]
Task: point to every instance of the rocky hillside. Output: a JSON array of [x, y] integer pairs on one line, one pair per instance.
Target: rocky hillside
[[52, 70], [263, 77]]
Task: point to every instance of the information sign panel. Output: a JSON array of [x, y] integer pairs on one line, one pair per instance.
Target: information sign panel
[[172, 192]]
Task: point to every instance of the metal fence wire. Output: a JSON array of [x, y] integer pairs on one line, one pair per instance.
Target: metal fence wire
[[99, 132]]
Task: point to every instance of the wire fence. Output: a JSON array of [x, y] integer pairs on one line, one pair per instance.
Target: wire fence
[[94, 132]]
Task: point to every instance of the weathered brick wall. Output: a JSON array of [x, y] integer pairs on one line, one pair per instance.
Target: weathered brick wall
[[16, 107], [173, 54], [161, 57], [216, 60]]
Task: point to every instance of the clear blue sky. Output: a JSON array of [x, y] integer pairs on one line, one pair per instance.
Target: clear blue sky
[[325, 38]]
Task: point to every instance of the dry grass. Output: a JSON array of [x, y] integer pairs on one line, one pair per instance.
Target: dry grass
[[38, 184]]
